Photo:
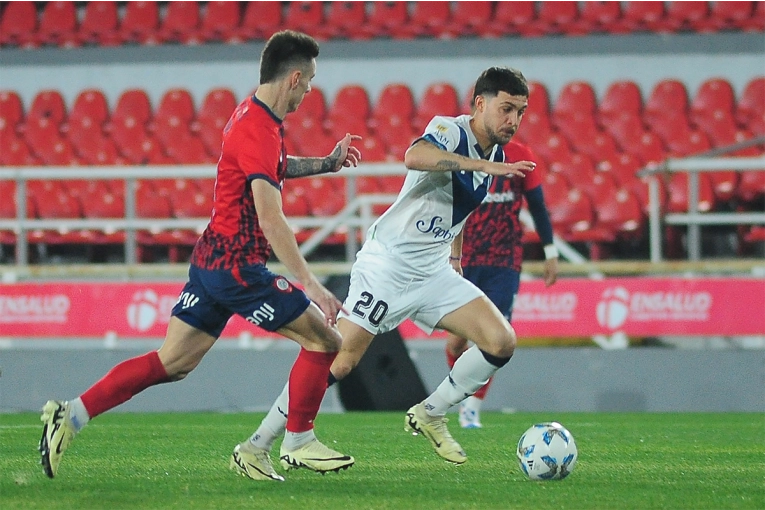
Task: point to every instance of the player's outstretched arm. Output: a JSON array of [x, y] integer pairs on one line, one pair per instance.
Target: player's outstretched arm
[[423, 155], [268, 203], [344, 154]]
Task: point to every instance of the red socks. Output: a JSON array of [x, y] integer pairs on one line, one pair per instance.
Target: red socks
[[122, 382], [481, 392], [308, 383]]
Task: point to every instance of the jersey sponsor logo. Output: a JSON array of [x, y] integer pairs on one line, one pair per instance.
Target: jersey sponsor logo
[[264, 313], [505, 196], [432, 227], [440, 133]]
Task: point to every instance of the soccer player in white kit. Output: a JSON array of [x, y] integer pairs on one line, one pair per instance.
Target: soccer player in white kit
[[409, 265]]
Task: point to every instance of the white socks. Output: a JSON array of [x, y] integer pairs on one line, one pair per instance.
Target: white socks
[[470, 372], [78, 414], [294, 440], [275, 422]]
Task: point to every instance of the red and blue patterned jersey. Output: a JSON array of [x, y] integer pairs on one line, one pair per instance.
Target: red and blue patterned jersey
[[253, 148], [493, 231]]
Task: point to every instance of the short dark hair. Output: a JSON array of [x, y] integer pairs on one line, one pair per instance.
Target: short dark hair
[[285, 51], [501, 79]]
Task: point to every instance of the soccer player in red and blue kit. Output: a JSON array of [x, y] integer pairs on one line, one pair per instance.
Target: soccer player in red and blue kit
[[228, 276], [492, 253]]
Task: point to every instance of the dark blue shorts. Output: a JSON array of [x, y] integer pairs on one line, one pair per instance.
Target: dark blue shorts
[[263, 298], [500, 284]]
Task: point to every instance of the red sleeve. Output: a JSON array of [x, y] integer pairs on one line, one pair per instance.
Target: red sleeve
[[533, 179], [515, 151]]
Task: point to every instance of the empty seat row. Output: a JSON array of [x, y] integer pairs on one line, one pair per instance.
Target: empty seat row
[[30, 24]]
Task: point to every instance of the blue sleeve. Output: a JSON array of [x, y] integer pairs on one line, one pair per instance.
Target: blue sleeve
[[536, 200]]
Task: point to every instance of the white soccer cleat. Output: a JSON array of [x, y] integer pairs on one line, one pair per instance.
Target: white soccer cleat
[[434, 428], [58, 432], [316, 457], [253, 462]]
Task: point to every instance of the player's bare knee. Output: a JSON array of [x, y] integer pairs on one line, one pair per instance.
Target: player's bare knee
[[501, 344], [343, 364]]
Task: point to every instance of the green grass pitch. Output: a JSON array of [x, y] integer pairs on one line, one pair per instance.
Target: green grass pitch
[[626, 461]]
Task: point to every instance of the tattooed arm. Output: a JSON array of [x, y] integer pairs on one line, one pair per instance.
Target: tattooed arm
[[344, 154], [424, 155]]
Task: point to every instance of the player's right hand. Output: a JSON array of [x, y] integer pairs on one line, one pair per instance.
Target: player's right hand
[[518, 168], [325, 300]]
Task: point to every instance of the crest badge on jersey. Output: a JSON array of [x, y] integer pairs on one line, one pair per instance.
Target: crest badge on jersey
[[282, 284]]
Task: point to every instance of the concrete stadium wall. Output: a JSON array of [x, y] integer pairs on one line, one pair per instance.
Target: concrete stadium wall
[[554, 61], [537, 379]]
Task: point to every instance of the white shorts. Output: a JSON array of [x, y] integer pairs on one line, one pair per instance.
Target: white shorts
[[383, 293]]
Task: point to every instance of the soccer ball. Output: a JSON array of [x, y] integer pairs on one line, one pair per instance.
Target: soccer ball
[[547, 451]]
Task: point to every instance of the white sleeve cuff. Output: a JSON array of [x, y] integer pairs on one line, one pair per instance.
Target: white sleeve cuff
[[551, 252]]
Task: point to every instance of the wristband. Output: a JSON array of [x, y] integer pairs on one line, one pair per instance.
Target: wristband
[[551, 252], [455, 258]]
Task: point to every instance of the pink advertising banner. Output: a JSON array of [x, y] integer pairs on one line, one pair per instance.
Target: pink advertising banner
[[570, 308]]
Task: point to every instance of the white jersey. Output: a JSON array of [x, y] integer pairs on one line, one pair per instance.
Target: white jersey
[[432, 207]]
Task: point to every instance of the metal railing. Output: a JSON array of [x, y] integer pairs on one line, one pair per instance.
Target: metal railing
[[694, 218]]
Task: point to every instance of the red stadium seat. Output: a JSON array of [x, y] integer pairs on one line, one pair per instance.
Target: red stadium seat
[[347, 19], [220, 22], [387, 19], [574, 110], [188, 150], [198, 204], [46, 142], [260, 20], [307, 17], [395, 100], [625, 128], [429, 19], [372, 150], [58, 25], [8, 206], [619, 212], [667, 96], [469, 18], [573, 218], [323, 197], [314, 105], [47, 104], [98, 150], [19, 25], [140, 23], [623, 168], [11, 112], [349, 112], [438, 99], [513, 18], [295, 204], [555, 149], [602, 17], [677, 189], [751, 104], [212, 117], [172, 119], [560, 17], [689, 16], [620, 97], [534, 130], [648, 147], [689, 143], [602, 147], [180, 23], [90, 103], [579, 128], [539, 99], [732, 15], [555, 186], [713, 94], [56, 203], [670, 126], [14, 151], [98, 202], [133, 104], [643, 16], [99, 24], [717, 124]]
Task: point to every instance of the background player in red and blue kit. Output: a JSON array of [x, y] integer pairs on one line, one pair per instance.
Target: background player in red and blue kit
[[492, 253], [228, 276]]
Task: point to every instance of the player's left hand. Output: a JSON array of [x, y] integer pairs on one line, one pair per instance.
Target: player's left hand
[[345, 154], [551, 271]]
